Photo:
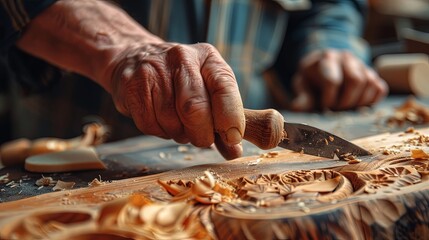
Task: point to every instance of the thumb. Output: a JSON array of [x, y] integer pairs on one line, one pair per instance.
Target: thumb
[[304, 100], [226, 150]]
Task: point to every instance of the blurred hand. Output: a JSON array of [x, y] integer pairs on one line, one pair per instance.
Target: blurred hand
[[335, 80], [182, 92]]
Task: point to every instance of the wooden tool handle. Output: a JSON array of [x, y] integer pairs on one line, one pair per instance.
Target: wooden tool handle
[[264, 128]]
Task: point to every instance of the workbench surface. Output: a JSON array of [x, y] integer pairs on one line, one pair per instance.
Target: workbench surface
[[147, 155]]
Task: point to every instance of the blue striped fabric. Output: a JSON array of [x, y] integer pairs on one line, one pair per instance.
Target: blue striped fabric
[[15, 15], [248, 33]]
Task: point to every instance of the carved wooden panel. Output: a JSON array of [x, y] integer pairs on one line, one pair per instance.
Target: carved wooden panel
[[279, 195]]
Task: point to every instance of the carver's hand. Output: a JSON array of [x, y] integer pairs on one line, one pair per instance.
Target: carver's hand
[[182, 92], [335, 80]]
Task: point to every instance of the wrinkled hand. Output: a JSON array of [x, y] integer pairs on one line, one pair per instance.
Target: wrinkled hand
[[335, 80], [182, 92]]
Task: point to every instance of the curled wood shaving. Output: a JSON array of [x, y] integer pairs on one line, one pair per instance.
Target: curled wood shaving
[[4, 178], [354, 161], [419, 154], [410, 112], [145, 219], [410, 130], [17, 151], [63, 185], [347, 157], [207, 189], [96, 182], [45, 181], [255, 162], [391, 151]]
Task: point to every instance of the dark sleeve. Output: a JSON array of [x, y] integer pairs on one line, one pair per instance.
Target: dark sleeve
[[334, 24], [33, 73]]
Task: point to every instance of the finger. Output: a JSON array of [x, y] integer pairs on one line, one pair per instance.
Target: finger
[[227, 107], [331, 78], [304, 101], [228, 151], [370, 90], [165, 108], [381, 87], [192, 101], [354, 82], [137, 92]]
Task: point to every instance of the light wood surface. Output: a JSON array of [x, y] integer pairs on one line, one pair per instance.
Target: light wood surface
[[381, 197]]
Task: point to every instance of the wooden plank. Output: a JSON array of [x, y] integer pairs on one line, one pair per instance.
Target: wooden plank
[[285, 195]]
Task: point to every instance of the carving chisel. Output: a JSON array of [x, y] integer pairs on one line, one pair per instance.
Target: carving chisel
[[267, 129]]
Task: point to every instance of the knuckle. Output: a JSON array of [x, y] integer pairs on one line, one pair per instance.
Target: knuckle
[[358, 81], [347, 54], [207, 47], [193, 108], [329, 54], [331, 83], [178, 54], [382, 88], [223, 84], [179, 49]]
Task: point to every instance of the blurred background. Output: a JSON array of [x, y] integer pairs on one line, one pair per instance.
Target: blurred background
[[397, 31], [398, 26]]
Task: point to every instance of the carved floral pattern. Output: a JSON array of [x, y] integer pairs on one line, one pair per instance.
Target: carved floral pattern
[[271, 204]]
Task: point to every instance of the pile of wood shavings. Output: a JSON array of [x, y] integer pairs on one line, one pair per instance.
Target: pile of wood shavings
[[57, 185], [207, 189], [417, 139], [141, 218], [135, 217], [410, 112], [272, 154], [350, 158]]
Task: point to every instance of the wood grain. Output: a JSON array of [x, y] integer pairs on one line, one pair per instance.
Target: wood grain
[[285, 195]]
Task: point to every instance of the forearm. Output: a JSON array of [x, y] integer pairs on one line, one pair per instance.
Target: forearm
[[84, 37]]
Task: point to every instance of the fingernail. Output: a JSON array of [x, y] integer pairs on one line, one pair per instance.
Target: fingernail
[[233, 136]]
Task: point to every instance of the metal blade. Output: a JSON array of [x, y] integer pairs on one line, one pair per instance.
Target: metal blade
[[316, 142]]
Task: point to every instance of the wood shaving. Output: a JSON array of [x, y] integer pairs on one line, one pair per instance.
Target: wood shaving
[[391, 151], [410, 112], [326, 141], [4, 178], [354, 161], [347, 157], [63, 185], [410, 130], [183, 149], [255, 162], [162, 155], [419, 154], [45, 181], [207, 189], [273, 153], [96, 182]]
